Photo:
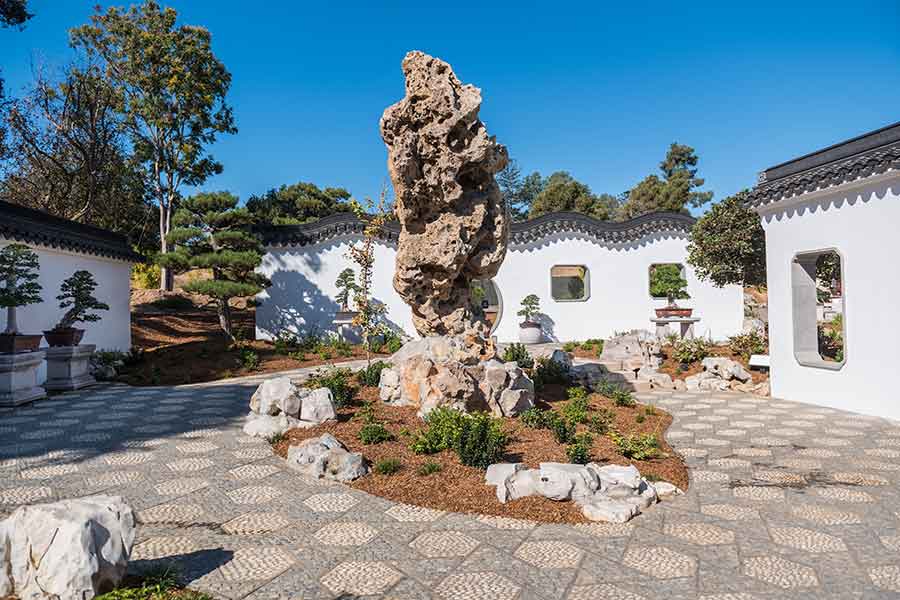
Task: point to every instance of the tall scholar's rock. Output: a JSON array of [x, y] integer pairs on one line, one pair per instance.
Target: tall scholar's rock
[[454, 225]]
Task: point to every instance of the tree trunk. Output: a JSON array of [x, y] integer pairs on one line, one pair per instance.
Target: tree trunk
[[166, 276], [225, 318], [12, 327]]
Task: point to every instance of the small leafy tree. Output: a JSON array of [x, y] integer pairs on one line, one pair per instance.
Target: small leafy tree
[[18, 273], [666, 281], [531, 306], [77, 294], [210, 232], [369, 312], [346, 285], [728, 244]]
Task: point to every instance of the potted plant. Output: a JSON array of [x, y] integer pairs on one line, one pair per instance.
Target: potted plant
[[76, 294], [18, 269], [666, 280], [346, 285], [529, 329]]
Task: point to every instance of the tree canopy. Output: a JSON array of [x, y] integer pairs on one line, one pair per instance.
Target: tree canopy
[[562, 192], [14, 13], [674, 191], [173, 92], [298, 203], [728, 244]]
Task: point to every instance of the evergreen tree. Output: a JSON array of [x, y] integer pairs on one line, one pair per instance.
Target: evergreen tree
[[210, 232], [674, 191], [562, 192], [298, 203]]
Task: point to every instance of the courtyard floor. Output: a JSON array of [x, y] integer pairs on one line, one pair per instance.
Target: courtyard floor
[[787, 501]]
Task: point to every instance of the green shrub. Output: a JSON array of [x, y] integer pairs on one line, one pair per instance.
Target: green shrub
[[387, 342], [371, 375], [298, 355], [548, 371], [482, 441], [429, 468], [442, 428], [324, 353], [563, 429], [155, 584], [601, 421], [374, 433], [745, 344], [616, 393], [276, 438], [518, 354], [145, 276], [639, 418], [576, 410], [636, 446], [310, 342], [285, 342], [337, 380], [595, 344], [173, 302], [691, 350], [249, 359], [579, 451], [536, 418], [570, 346], [340, 347], [387, 466]]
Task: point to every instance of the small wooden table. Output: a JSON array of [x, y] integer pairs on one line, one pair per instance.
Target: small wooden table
[[686, 326]]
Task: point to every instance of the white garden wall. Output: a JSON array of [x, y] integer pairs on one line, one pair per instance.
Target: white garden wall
[[862, 221], [303, 291]]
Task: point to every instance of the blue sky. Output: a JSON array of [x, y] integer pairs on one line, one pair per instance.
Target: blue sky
[[599, 89]]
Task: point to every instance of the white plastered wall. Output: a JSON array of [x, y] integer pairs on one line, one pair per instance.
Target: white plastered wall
[[303, 291], [862, 221], [112, 331]]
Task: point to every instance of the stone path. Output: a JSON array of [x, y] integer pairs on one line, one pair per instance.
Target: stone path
[[787, 501]]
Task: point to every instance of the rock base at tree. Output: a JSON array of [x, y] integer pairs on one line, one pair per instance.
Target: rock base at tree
[[609, 493]]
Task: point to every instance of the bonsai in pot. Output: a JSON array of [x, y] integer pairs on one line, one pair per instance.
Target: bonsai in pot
[[18, 269], [666, 280], [529, 329], [346, 285], [76, 294]]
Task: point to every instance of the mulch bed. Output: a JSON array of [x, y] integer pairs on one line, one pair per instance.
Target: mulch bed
[[459, 488], [182, 347], [673, 367]]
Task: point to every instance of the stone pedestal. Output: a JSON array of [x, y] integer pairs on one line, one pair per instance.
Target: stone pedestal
[[68, 367], [685, 326], [18, 378]]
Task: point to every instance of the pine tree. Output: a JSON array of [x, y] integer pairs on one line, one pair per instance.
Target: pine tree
[[211, 232]]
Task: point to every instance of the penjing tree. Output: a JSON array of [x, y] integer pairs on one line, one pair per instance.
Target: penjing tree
[[211, 232]]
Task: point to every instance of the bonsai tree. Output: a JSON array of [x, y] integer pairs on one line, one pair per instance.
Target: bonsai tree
[[666, 281], [211, 232], [77, 294], [18, 270], [531, 306], [346, 285]]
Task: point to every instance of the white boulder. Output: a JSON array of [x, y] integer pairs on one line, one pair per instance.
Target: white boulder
[[69, 550], [325, 457], [267, 426], [725, 368], [276, 396], [318, 406]]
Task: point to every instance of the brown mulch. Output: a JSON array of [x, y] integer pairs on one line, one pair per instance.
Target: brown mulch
[[673, 367], [458, 488], [183, 347]]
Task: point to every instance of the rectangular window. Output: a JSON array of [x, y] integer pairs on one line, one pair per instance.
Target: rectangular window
[[569, 283], [666, 277], [818, 309]]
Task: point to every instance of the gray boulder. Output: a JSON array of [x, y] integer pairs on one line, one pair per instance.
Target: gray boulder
[[507, 390], [267, 426], [325, 457], [609, 511], [317, 406], [69, 550], [725, 368]]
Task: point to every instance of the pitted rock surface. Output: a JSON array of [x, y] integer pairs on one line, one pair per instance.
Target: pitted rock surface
[[454, 224]]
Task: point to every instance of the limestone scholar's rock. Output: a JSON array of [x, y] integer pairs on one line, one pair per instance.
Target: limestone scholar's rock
[[69, 550], [454, 226], [325, 457], [276, 396], [507, 390], [725, 368], [318, 406]]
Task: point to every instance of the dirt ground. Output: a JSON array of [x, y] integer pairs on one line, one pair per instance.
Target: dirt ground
[[459, 488]]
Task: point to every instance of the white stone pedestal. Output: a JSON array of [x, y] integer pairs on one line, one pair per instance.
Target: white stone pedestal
[[18, 378], [68, 367], [684, 324]]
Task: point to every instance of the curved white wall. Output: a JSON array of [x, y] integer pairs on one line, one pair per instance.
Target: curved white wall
[[861, 221], [303, 291]]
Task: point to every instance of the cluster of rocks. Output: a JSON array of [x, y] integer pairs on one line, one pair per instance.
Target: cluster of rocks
[[278, 405], [720, 374], [610, 493], [444, 371], [103, 369], [325, 457], [69, 550]]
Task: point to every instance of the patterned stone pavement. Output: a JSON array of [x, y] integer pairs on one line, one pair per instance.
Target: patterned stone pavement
[[787, 501]]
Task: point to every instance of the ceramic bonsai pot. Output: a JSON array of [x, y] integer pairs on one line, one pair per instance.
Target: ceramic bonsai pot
[[673, 311], [68, 336], [13, 343], [530, 332]]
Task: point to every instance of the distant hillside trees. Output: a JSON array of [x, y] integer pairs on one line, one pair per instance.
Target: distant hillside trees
[[298, 203]]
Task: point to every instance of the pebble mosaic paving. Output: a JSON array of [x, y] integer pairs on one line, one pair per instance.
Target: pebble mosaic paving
[[787, 501]]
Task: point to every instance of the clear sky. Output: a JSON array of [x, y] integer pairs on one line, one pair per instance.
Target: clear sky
[[599, 89]]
